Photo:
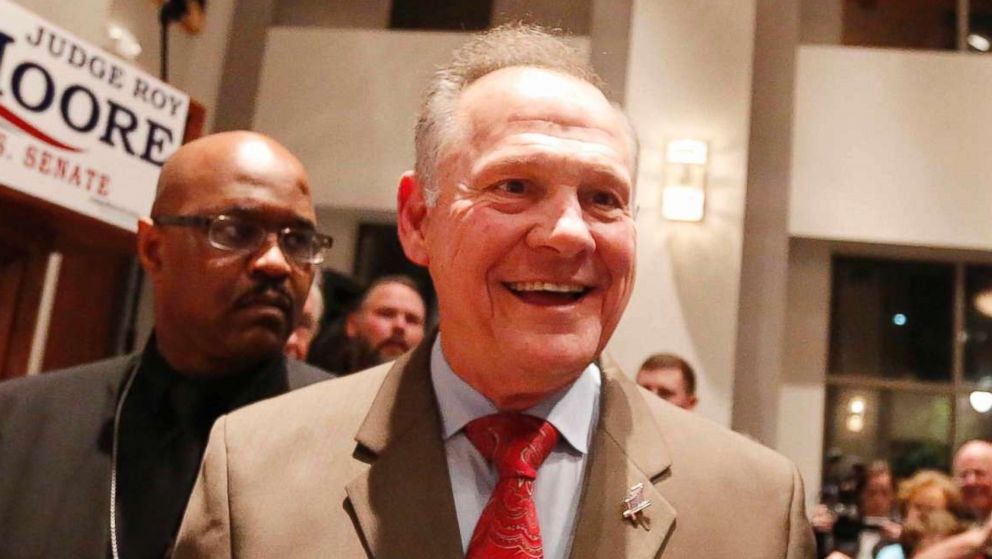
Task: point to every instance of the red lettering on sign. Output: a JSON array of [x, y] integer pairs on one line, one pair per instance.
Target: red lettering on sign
[[66, 170]]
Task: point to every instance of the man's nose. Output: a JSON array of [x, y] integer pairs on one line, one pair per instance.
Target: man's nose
[[270, 260], [564, 229], [400, 325]]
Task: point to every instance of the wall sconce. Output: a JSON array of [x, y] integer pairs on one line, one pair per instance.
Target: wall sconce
[[856, 408], [683, 196]]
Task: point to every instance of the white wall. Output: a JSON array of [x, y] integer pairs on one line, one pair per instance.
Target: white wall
[[802, 393], [892, 147], [689, 75], [345, 102], [85, 18]]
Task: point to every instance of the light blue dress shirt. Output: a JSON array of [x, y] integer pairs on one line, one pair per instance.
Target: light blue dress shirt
[[572, 410], [893, 551]]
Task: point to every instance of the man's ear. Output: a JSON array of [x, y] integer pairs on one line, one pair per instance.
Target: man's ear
[[149, 246], [412, 218]]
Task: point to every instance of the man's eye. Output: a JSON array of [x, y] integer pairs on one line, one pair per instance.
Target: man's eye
[[513, 186], [298, 240], [235, 233], [605, 199]]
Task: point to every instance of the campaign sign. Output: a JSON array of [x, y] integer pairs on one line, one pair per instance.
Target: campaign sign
[[78, 127]]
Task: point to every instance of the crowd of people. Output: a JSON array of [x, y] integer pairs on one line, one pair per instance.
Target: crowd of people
[[928, 515]]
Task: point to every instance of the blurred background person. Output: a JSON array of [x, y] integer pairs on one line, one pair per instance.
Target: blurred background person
[[856, 531], [670, 377], [298, 344], [387, 322], [973, 474], [928, 494], [971, 544], [924, 532]]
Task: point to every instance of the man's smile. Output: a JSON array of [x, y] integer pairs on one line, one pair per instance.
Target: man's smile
[[547, 293]]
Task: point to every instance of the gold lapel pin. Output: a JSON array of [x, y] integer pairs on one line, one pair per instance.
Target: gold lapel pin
[[634, 503]]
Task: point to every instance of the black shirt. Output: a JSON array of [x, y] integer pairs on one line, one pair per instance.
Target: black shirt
[[164, 426]]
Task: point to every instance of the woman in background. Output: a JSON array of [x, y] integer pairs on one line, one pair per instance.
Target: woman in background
[[930, 503]]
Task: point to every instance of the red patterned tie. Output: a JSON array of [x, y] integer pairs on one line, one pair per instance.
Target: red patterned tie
[[517, 445]]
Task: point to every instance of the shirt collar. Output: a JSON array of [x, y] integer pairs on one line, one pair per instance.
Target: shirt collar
[[158, 381], [573, 410]]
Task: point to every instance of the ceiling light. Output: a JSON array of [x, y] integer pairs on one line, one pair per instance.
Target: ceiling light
[[980, 401]]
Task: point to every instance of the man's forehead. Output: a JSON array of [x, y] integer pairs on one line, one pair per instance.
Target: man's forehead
[[231, 165], [534, 94], [395, 292], [974, 455], [668, 375]]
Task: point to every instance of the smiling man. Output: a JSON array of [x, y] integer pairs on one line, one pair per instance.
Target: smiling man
[[100, 459], [973, 474], [499, 436]]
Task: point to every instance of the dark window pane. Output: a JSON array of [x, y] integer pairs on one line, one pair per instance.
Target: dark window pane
[[379, 253], [909, 429], [454, 15], [978, 324], [891, 319], [980, 26], [913, 24]]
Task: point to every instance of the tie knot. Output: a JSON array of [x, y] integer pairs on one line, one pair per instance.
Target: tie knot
[[516, 444]]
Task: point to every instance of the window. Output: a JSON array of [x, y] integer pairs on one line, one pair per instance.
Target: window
[[904, 24], [910, 360], [461, 15]]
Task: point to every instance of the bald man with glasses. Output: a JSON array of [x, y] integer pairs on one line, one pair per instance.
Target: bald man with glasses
[[99, 460]]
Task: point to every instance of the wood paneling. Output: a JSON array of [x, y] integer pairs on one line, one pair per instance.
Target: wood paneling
[[87, 310], [24, 248]]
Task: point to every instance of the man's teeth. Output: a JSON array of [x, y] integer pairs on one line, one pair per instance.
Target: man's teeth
[[545, 286]]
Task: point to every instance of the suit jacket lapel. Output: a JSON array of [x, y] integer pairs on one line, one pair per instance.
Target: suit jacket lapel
[[403, 502], [627, 449]]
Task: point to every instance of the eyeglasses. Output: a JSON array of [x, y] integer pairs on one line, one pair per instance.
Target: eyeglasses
[[225, 232]]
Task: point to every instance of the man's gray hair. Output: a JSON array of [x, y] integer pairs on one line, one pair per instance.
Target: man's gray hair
[[505, 46]]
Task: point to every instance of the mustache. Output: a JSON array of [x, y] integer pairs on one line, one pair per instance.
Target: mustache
[[267, 293], [395, 339]]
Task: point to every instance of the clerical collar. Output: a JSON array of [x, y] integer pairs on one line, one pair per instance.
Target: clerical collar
[[573, 410]]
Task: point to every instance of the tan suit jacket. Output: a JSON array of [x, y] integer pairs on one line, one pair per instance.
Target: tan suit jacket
[[356, 468]]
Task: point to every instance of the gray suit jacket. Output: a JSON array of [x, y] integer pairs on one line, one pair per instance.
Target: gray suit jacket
[[356, 468], [55, 441]]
